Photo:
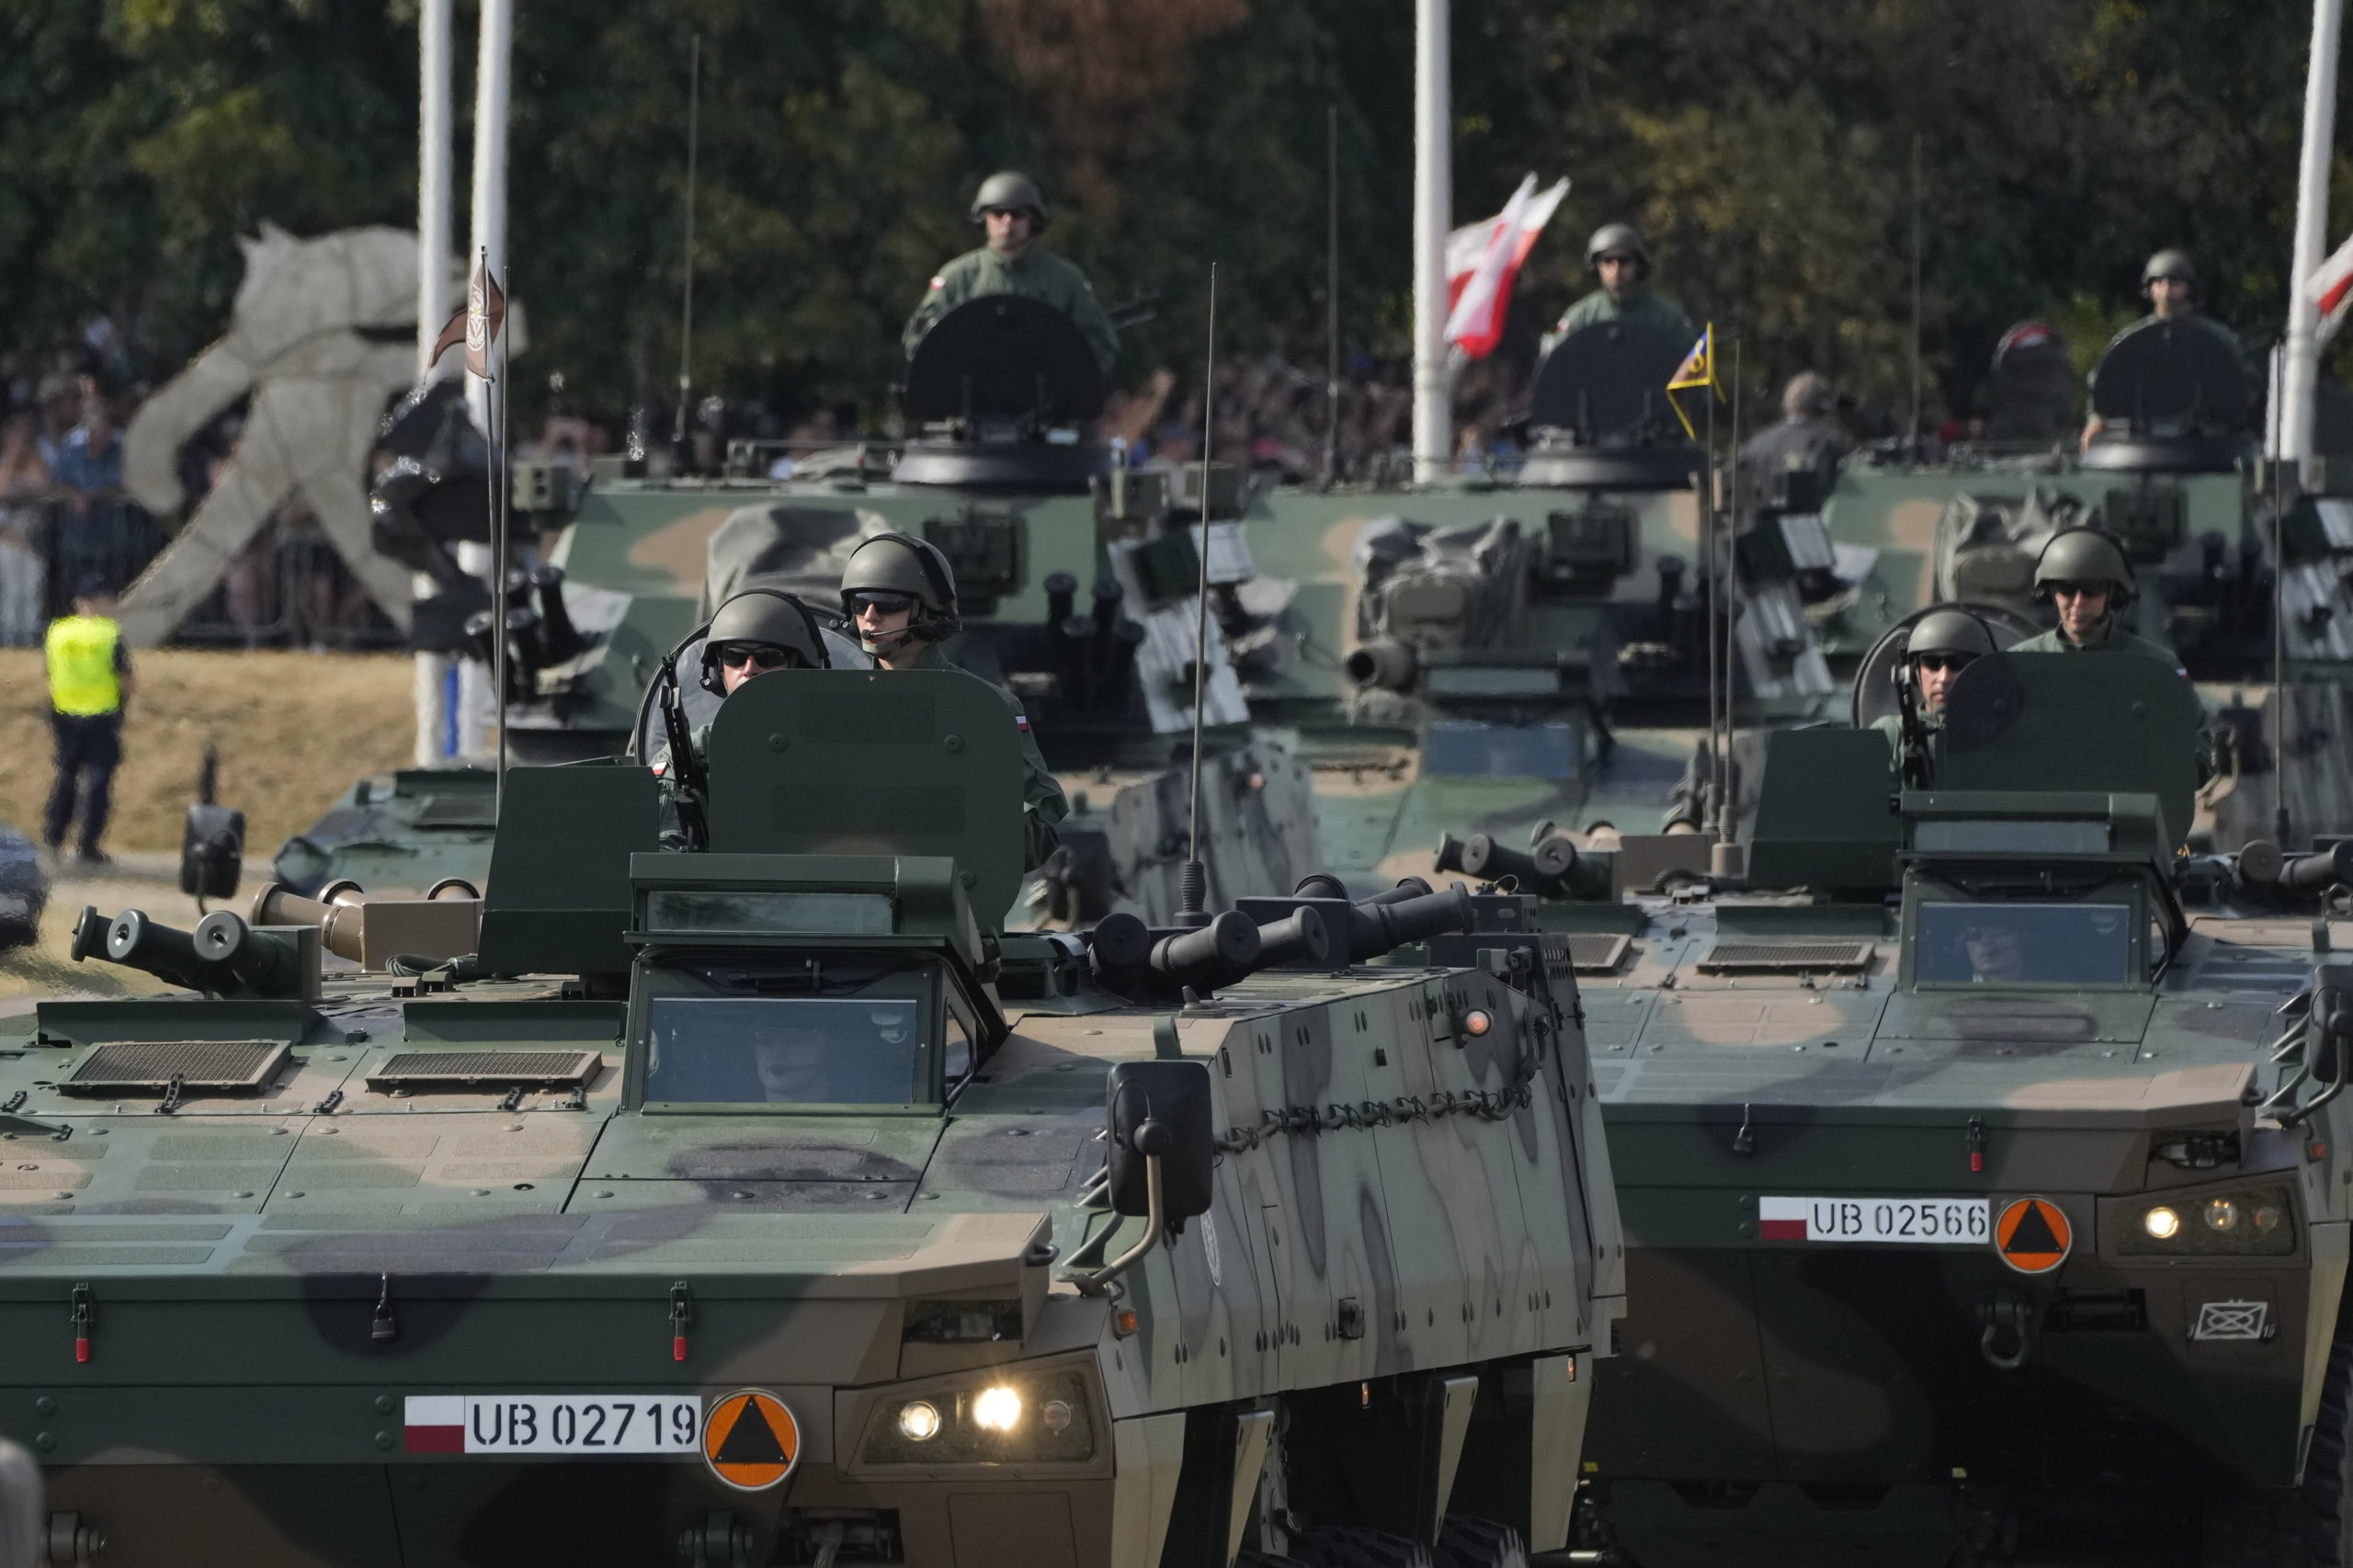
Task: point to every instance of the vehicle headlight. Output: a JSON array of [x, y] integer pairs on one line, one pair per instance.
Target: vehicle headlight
[[2248, 1222], [1006, 1415]]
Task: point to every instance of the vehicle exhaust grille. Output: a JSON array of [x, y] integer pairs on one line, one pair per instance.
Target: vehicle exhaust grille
[[212, 1065], [1597, 952], [1785, 958], [475, 1069]]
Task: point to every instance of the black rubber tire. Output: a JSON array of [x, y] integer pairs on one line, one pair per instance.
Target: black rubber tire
[[1466, 1541], [1345, 1546], [2312, 1526]]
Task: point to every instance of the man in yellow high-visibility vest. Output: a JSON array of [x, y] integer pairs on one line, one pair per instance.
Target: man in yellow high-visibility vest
[[90, 681]]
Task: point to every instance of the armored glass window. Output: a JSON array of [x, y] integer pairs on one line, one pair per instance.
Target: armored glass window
[[2024, 944], [780, 1050]]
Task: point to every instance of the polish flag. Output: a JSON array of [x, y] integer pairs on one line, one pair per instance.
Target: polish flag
[[2332, 288], [1482, 260], [434, 1423]]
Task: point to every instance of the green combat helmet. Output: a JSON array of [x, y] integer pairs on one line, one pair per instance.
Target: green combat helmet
[[1011, 188], [1949, 632], [2084, 555], [901, 563], [2173, 263], [1617, 236], [768, 619]]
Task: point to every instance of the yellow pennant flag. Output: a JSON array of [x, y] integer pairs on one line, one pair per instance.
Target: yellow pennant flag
[[1698, 370]]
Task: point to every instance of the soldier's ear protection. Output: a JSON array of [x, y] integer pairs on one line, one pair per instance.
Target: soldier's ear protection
[[712, 682]]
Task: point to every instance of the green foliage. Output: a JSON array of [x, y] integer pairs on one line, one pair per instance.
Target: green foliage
[[1766, 145]]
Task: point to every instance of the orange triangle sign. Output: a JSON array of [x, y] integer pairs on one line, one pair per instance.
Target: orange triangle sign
[[750, 1441], [2032, 1235]]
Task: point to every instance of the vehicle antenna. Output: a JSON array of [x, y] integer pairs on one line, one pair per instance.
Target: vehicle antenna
[[502, 496], [1718, 610], [686, 314], [1195, 891], [2279, 824], [1332, 296], [1724, 823], [1914, 444]]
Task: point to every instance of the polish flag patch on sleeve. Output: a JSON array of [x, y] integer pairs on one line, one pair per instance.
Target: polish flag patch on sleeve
[[937, 281], [1021, 722]]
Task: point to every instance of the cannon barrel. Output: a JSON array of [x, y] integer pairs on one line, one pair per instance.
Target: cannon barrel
[[263, 962], [1384, 662], [1127, 954], [1407, 887], [2259, 863], [2318, 872], [1120, 945], [1320, 884]]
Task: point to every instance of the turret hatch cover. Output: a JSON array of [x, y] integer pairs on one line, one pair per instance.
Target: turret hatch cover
[[1608, 383], [2172, 379], [1006, 356]]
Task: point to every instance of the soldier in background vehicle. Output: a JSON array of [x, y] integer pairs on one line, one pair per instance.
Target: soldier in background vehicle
[[1805, 439], [1942, 645], [2169, 282], [1619, 258], [2083, 574], [901, 593], [1011, 211]]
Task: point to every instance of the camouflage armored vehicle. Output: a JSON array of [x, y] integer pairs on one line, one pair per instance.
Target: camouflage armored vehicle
[[770, 1206], [1981, 1155]]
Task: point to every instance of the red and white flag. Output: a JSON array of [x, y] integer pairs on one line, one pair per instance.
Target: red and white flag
[[1482, 259], [2332, 289]]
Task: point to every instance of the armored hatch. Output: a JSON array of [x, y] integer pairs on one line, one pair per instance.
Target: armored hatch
[[1001, 388], [1602, 417], [2174, 399]]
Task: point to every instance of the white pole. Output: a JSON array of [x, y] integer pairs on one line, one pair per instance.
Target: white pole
[[433, 129], [490, 160], [2300, 374], [1433, 213], [477, 707]]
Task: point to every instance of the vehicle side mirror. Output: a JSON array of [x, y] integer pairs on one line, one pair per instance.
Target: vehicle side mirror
[[1160, 1110], [212, 851]]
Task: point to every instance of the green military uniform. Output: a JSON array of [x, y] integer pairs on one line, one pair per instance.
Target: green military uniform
[[1040, 275], [1042, 802], [1644, 307], [2118, 640]]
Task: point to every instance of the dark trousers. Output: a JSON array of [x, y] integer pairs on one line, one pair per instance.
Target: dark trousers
[[87, 750]]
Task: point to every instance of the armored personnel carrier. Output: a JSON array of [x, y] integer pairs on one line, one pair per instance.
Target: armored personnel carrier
[[772, 1206], [1982, 1158]]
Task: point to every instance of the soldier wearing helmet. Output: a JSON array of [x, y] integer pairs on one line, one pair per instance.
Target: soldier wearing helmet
[[2082, 573], [900, 595], [1011, 212], [1942, 643], [1805, 439], [2170, 283], [754, 631], [1617, 255]]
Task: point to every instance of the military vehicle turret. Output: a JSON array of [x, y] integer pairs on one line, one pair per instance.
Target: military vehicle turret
[[1982, 1157], [770, 1205]]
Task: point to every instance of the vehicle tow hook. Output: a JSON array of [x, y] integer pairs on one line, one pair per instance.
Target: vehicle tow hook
[[2007, 1315]]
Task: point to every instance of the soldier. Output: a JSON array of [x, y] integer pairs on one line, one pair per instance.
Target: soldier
[[754, 631], [2169, 282], [1805, 439], [2083, 573], [900, 592], [1617, 255], [1011, 211], [1942, 645]]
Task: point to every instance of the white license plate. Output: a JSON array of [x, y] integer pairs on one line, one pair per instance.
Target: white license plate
[[554, 1423], [1902, 1221]]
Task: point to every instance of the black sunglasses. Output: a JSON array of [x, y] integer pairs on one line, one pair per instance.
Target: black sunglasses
[[2075, 590], [1945, 661], [735, 655], [889, 604]]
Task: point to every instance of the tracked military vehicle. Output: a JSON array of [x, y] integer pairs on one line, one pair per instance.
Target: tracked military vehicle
[[772, 1206], [1982, 1157]]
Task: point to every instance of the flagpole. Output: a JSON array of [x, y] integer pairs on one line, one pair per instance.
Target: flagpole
[[1731, 639], [2300, 373], [433, 129], [1433, 426], [1718, 624]]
